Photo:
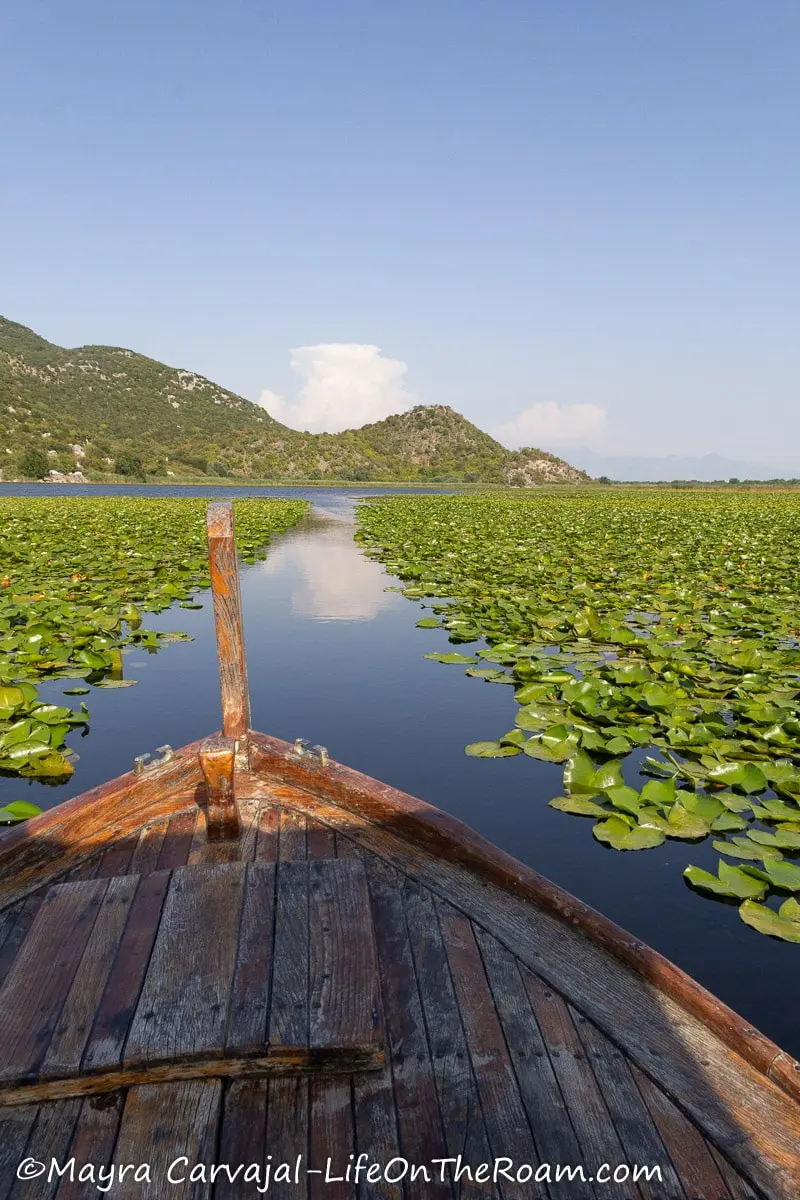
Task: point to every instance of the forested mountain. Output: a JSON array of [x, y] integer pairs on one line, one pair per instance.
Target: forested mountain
[[103, 410]]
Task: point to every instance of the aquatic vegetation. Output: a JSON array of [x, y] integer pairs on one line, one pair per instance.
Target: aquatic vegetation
[[628, 620], [76, 576]]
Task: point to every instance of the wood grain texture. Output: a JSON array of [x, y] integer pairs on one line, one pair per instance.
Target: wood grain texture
[[49, 1139], [174, 850], [594, 1128], [242, 1138], [287, 1134], [18, 920], [183, 1009], [42, 974], [332, 1138], [249, 1009], [148, 847], [634, 1125], [292, 835], [687, 1147], [343, 987], [288, 1020], [546, 1107], [738, 1188], [756, 1123], [449, 840], [416, 1100], [117, 859], [190, 1111], [507, 1124], [459, 1105], [71, 1034], [267, 838], [217, 759], [93, 1140], [224, 570], [121, 994], [320, 840], [15, 1128]]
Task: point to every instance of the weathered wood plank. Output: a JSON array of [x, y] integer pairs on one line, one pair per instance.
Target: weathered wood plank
[[177, 841], [594, 1128], [332, 1138], [249, 1009], [344, 999], [739, 1190], [267, 839], [190, 1112], [74, 1025], [93, 1142], [121, 995], [242, 1138], [506, 1120], [148, 848], [15, 1128], [117, 859], [375, 1119], [418, 1118], [459, 1105], [539, 1089], [292, 835], [287, 1136], [288, 1021], [183, 1009], [224, 570], [632, 1121], [42, 973], [49, 1139], [686, 1145], [217, 757], [321, 840], [20, 918]]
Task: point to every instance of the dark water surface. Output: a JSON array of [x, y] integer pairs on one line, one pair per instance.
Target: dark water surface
[[334, 657]]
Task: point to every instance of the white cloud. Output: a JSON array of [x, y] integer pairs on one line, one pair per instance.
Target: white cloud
[[345, 385], [550, 422]]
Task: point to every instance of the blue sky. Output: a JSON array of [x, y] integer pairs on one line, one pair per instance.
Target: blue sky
[[577, 223]]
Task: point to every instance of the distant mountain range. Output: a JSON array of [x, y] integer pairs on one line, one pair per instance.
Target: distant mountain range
[[103, 410], [705, 469]]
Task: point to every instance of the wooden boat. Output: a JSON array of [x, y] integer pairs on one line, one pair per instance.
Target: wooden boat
[[244, 956]]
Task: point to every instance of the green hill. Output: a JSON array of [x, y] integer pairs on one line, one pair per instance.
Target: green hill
[[100, 409]]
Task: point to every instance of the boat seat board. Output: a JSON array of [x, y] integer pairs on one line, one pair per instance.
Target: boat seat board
[[225, 969]]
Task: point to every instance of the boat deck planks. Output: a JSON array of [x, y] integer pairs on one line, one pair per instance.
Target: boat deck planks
[[487, 1055]]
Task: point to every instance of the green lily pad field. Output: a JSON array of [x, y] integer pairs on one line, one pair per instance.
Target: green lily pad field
[[76, 576], [652, 641]]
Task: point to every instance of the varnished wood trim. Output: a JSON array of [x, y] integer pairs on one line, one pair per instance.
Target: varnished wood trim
[[224, 569], [58, 839], [217, 755], [445, 836]]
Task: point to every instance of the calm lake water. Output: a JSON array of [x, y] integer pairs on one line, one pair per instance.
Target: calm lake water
[[335, 657]]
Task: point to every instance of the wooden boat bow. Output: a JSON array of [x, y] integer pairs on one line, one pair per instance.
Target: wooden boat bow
[[261, 950]]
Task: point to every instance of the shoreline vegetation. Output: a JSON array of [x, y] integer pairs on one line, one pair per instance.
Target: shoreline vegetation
[[97, 479]]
